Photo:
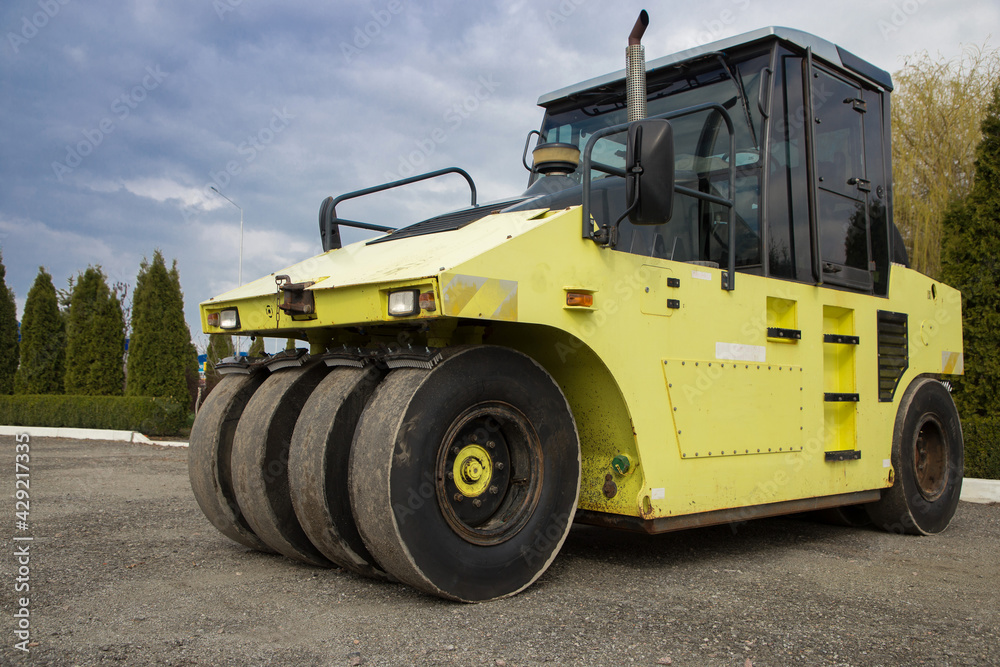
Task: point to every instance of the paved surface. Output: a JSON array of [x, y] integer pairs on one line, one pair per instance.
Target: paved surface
[[124, 570]]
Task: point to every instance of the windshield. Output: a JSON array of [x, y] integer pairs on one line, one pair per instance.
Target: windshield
[[702, 157]]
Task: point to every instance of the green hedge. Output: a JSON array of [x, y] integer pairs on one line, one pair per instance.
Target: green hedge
[[982, 447], [150, 416]]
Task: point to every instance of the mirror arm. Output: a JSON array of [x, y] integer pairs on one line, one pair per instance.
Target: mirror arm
[[586, 164]]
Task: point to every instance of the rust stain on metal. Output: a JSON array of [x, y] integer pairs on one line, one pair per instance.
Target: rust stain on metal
[[610, 488]]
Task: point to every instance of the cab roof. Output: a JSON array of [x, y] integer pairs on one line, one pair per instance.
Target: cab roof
[[821, 48]]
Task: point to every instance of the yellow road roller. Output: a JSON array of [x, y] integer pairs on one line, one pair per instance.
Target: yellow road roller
[[698, 312]]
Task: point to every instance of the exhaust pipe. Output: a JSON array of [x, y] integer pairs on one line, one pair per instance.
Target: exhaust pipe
[[635, 70]]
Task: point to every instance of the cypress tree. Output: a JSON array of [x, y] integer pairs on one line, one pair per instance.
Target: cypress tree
[[256, 348], [9, 347], [191, 377], [43, 340], [220, 346], [160, 349], [971, 257], [95, 341]]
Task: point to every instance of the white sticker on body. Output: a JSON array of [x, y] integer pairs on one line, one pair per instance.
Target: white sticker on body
[[738, 352]]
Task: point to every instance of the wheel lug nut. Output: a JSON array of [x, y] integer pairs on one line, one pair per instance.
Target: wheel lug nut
[[491, 444], [450, 475], [499, 465], [458, 497], [455, 450], [477, 502], [494, 490], [474, 438]]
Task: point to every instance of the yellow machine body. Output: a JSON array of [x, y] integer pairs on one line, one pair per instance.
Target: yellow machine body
[[694, 404]]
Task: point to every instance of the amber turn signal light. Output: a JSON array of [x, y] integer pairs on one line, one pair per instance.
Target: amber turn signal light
[[426, 302]]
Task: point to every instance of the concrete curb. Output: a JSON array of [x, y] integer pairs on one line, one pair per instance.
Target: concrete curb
[[980, 490], [89, 434]]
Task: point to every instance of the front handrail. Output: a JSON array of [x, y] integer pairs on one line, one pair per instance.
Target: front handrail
[[329, 210], [586, 165]]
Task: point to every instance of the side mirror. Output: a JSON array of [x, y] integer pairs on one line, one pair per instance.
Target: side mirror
[[649, 172]]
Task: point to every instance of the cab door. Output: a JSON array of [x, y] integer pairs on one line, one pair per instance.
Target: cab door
[[841, 185]]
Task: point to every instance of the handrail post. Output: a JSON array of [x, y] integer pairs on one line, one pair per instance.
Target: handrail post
[[331, 219]]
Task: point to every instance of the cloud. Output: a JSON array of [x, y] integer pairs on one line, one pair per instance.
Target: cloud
[[159, 189], [28, 244], [165, 190], [353, 121]]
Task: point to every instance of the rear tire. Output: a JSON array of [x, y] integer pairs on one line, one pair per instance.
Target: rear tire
[[318, 462], [210, 457], [464, 479], [260, 461], [928, 459]]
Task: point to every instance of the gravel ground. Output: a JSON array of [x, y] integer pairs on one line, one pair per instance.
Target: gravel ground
[[123, 569]]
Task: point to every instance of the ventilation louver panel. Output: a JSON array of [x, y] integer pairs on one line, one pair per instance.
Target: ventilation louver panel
[[893, 352]]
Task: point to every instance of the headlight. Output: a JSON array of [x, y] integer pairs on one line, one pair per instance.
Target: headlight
[[229, 319], [404, 303]]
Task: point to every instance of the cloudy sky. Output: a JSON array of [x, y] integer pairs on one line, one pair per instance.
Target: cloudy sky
[[117, 115]]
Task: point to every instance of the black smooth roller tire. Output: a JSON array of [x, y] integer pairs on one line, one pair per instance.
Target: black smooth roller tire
[[260, 461], [210, 452], [928, 458], [318, 460], [464, 479]]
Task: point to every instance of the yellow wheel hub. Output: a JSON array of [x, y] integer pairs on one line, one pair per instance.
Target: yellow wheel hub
[[473, 471]]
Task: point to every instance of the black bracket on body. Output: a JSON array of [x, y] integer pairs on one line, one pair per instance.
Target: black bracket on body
[[843, 455], [329, 222], [840, 339], [786, 334]]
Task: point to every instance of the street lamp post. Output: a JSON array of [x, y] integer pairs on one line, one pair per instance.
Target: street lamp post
[[239, 275]]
